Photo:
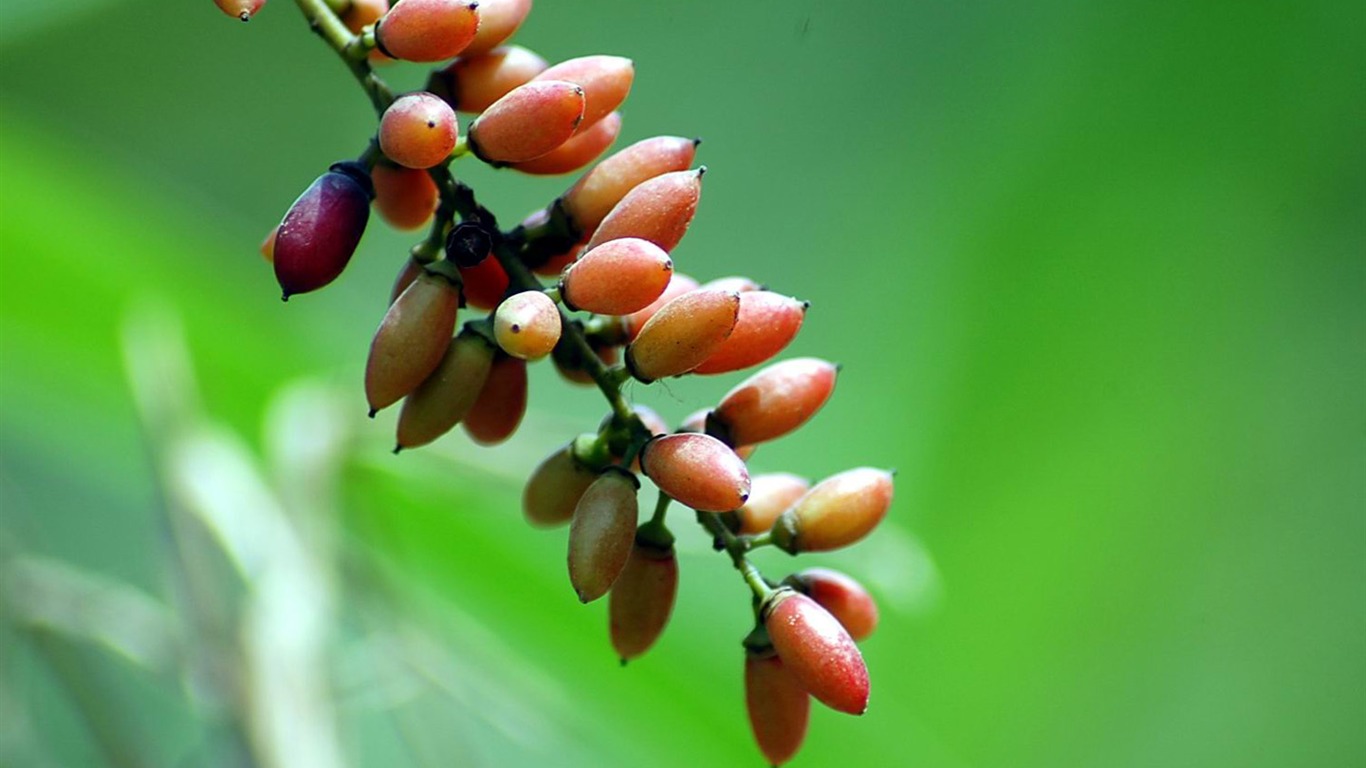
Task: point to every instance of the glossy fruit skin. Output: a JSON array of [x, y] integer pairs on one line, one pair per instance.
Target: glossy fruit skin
[[427, 30], [530, 121], [774, 401], [679, 284], [472, 83], [601, 533], [697, 422], [606, 80], [770, 494], [554, 489], [240, 9], [498, 411], [840, 510], [444, 397], [498, 20], [779, 707], [418, 130], [595, 195], [617, 278], [322, 228], [582, 149], [406, 198], [817, 650], [841, 595], [411, 339], [527, 325], [699, 471], [767, 323], [682, 334], [658, 210], [642, 599], [486, 283]]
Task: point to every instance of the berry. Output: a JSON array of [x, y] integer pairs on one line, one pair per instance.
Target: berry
[[579, 151], [404, 197], [405, 277], [601, 533], [605, 81], [843, 597], [411, 339], [315, 240], [360, 14], [527, 325], [817, 650], [678, 285], [555, 487], [472, 83], [778, 706], [485, 283], [501, 404], [733, 283], [554, 265], [658, 210], [682, 334], [698, 470], [268, 245], [449, 393], [240, 9], [528, 122], [498, 20], [418, 130], [774, 401], [642, 597], [770, 494], [595, 195], [697, 422], [617, 278], [766, 324], [837, 512], [427, 30]]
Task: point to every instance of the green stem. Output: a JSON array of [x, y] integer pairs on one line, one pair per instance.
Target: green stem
[[735, 547], [351, 48], [759, 540], [661, 508]]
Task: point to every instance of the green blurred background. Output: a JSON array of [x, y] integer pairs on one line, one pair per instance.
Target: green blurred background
[[1096, 273]]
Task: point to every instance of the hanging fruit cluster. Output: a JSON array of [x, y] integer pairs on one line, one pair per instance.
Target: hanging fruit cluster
[[616, 311]]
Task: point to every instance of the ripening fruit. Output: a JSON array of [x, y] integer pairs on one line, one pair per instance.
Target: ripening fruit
[[404, 197], [601, 533], [579, 151], [679, 284], [767, 323], [501, 403], [658, 210], [527, 325], [418, 130], [555, 265], [268, 245], [427, 30], [697, 422], [411, 339], [498, 19], [839, 594], [445, 396], [774, 401], [642, 598], [734, 283], [528, 122], [605, 81], [486, 283], [240, 9], [682, 334], [594, 196], [472, 83], [555, 487], [837, 512], [405, 277], [698, 470], [817, 650], [617, 278], [778, 706], [322, 228], [770, 494]]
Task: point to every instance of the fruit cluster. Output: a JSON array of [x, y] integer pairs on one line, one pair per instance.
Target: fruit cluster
[[616, 311]]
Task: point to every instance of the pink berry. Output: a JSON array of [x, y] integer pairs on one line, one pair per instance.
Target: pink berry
[[418, 130]]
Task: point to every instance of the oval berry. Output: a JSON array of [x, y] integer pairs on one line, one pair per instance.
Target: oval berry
[[617, 278], [405, 277], [486, 283], [404, 197], [839, 594], [527, 325], [817, 650], [770, 494], [682, 334], [501, 404], [240, 9], [642, 598], [606, 80], [837, 512], [555, 487], [418, 130], [767, 323], [473, 83], [774, 401], [411, 340], [498, 20], [427, 30], [601, 533], [322, 228], [579, 151], [697, 422], [679, 284], [698, 470], [528, 122], [444, 397], [658, 210], [595, 195], [778, 706]]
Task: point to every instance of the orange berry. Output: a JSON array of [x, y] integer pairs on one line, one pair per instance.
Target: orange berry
[[528, 122], [404, 197], [360, 14], [590, 199], [698, 470], [617, 278], [411, 339], [527, 325], [770, 494], [321, 230], [774, 401], [682, 334], [642, 598], [579, 151], [778, 706], [445, 396], [268, 245], [678, 285], [605, 81], [485, 283], [601, 533], [418, 130], [498, 19], [554, 265], [555, 487], [240, 9], [839, 594], [472, 83], [817, 650], [501, 403], [658, 210], [767, 323], [427, 30], [839, 511]]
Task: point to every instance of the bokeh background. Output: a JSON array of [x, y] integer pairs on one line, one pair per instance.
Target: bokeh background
[[1096, 273]]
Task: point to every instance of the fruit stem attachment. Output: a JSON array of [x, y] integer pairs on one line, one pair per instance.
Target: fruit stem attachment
[[661, 508], [735, 547]]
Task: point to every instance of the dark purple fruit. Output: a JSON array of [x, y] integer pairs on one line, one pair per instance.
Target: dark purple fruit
[[322, 228]]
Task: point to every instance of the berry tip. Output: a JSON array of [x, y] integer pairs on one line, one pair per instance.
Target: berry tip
[[372, 412]]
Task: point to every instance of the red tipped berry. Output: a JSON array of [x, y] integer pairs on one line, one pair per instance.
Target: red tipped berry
[[682, 334], [485, 283], [601, 533], [817, 650], [555, 487], [473, 83], [411, 339], [315, 240], [427, 30], [617, 278], [837, 512], [605, 81], [418, 130], [579, 151], [698, 470], [498, 19], [404, 197], [501, 405], [527, 325], [770, 495], [778, 706], [843, 597], [642, 598], [767, 323], [445, 396], [678, 285], [528, 122], [658, 210], [594, 196], [774, 401]]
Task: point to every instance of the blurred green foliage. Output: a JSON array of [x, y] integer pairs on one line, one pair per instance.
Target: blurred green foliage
[[1096, 273]]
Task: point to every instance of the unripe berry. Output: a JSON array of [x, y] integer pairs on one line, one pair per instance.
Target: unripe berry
[[411, 339], [445, 396], [404, 197], [774, 401], [472, 83], [642, 598], [527, 325], [501, 403], [817, 650], [682, 334], [418, 130], [601, 533], [498, 20], [322, 228], [766, 324], [555, 487], [240, 9], [485, 283], [528, 122], [770, 494], [617, 278], [605, 81], [843, 597], [658, 210], [837, 512], [427, 30], [698, 470], [579, 151], [778, 706], [590, 199], [679, 284]]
